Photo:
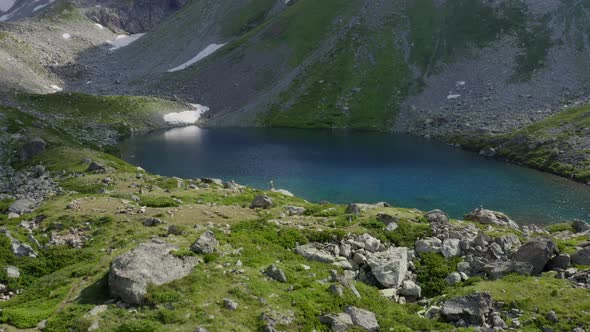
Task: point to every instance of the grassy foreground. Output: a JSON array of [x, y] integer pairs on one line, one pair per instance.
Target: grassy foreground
[[63, 284]]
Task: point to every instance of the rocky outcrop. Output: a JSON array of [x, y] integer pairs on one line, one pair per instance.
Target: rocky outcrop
[[133, 16], [488, 217], [32, 148], [149, 263]]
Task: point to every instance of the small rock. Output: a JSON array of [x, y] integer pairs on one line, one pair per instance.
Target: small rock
[[206, 244], [295, 210], [552, 317], [453, 278], [12, 272], [150, 222], [338, 322], [275, 273], [230, 304]]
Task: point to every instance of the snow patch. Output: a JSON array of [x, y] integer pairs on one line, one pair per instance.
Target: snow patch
[[42, 6], [203, 54], [55, 88], [98, 25], [186, 117], [454, 96], [5, 5], [123, 40], [66, 36]]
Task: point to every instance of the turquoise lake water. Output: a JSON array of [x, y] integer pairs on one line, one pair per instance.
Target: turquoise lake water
[[349, 166]]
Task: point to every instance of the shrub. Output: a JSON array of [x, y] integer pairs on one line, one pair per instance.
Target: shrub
[[432, 269], [407, 232], [139, 325], [158, 202]]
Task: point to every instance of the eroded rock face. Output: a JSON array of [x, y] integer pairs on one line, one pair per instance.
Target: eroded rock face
[[489, 217], [149, 263], [469, 310]]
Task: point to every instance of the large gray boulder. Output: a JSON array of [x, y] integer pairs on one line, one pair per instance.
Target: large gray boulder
[[471, 309], [536, 253], [149, 263], [22, 206], [338, 322], [451, 248], [206, 244], [363, 318], [389, 267], [429, 244], [582, 256], [261, 201], [18, 248], [580, 226], [436, 216], [309, 251], [489, 217]]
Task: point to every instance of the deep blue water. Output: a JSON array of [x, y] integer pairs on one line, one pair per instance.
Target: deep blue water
[[346, 166]]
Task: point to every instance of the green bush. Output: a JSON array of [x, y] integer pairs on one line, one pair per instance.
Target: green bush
[[407, 232], [158, 202], [139, 325], [432, 269]]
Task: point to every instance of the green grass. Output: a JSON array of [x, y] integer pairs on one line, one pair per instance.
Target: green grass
[[345, 92], [531, 294], [242, 19], [536, 145]]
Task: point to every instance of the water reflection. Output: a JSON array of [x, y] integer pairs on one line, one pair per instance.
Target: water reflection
[[190, 133]]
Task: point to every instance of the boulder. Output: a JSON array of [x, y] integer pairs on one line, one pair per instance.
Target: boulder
[[149, 263], [389, 267], [387, 219], [338, 322], [22, 206], [536, 252], [12, 272], [363, 318], [410, 289], [32, 148], [230, 304], [559, 262], [580, 226], [489, 217], [309, 251], [508, 243], [581, 257], [451, 248], [453, 278], [150, 222], [436, 216], [95, 167], [261, 201], [216, 182], [206, 244], [354, 208], [430, 244], [275, 273], [295, 210], [471, 309]]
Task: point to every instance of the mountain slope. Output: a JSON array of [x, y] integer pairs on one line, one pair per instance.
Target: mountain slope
[[427, 67]]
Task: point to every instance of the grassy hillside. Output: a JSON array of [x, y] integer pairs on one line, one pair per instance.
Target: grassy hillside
[[559, 144]]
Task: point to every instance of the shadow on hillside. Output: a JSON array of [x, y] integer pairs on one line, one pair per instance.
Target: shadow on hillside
[[97, 293]]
